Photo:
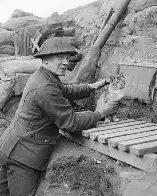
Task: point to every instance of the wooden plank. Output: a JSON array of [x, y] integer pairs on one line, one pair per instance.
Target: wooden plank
[[94, 135], [86, 133], [35, 40], [147, 162], [103, 124], [35, 45], [141, 149], [125, 145], [104, 138], [114, 141]]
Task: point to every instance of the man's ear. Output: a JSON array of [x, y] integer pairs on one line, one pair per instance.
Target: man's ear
[[112, 78], [45, 60]]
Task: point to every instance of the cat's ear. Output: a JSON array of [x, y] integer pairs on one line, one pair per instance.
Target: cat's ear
[[118, 69]]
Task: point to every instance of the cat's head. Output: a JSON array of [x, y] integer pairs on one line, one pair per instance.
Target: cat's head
[[117, 81]]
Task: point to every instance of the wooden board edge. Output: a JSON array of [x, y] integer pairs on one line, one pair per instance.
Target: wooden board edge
[[126, 146], [148, 162], [114, 142], [144, 150], [86, 133]]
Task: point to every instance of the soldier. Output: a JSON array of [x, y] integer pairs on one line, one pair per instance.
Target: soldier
[[26, 145]]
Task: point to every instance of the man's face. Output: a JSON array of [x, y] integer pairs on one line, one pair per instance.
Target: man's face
[[58, 64]]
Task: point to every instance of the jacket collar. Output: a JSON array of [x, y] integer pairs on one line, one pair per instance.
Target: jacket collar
[[48, 74]]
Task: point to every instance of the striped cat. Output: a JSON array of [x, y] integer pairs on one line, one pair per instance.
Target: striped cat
[[115, 92]]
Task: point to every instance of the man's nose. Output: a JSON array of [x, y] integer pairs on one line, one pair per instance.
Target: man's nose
[[65, 61]]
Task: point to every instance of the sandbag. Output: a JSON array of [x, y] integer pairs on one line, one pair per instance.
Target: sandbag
[[138, 77], [22, 42], [15, 23], [7, 42], [7, 48], [10, 84], [11, 67], [19, 13], [6, 92], [20, 83], [22, 39], [1, 29], [6, 36]]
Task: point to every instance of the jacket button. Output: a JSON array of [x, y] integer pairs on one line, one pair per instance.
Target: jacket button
[[45, 141]]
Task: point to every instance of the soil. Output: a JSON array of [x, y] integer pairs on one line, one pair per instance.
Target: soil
[[83, 174], [78, 171]]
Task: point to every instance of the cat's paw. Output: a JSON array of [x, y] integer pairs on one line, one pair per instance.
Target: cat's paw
[[116, 119], [107, 120]]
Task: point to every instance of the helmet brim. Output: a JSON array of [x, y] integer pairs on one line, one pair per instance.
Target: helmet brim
[[72, 53]]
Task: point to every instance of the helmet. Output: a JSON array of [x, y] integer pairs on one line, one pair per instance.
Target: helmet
[[55, 45]]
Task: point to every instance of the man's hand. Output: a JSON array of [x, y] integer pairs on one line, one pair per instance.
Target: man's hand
[[106, 108], [99, 84]]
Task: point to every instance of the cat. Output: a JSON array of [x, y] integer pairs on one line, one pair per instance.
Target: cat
[[115, 92]]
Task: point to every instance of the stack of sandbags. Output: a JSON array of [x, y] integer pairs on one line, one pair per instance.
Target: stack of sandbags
[[19, 13], [7, 42], [1, 29], [6, 92], [10, 67], [16, 23], [14, 75], [21, 19], [22, 40], [23, 36], [14, 39]]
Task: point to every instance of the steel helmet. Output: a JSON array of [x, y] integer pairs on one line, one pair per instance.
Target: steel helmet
[[55, 45]]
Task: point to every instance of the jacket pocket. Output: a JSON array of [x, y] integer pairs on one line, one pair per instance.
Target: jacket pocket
[[44, 139]]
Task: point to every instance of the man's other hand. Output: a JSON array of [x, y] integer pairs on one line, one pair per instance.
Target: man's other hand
[[106, 108]]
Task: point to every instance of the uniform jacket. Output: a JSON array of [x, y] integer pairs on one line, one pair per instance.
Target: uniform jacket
[[42, 111]]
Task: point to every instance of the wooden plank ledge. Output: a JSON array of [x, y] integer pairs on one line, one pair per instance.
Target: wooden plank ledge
[[147, 162], [110, 126], [141, 149], [104, 138], [125, 145], [136, 125]]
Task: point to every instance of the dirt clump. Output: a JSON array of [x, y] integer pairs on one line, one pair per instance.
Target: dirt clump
[[84, 175]]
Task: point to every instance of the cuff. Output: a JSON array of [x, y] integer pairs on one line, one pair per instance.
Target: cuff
[[90, 88], [98, 115]]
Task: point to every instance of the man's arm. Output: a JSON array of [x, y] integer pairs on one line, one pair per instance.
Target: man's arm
[[61, 113], [76, 92]]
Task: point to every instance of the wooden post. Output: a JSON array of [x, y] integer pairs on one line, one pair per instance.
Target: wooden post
[[110, 26], [84, 72], [109, 14], [35, 41]]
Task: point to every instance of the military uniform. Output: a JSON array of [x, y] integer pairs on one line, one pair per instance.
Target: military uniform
[[42, 111]]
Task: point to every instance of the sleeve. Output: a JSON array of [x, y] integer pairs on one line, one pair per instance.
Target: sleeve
[[61, 113], [76, 92]]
